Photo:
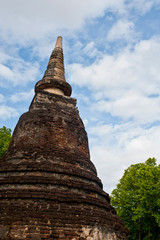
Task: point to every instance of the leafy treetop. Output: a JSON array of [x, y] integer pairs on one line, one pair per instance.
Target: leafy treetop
[[137, 200], [5, 138]]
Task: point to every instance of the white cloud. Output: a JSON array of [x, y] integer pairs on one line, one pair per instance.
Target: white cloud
[[19, 72], [138, 108], [36, 23], [2, 98], [143, 5], [90, 50], [5, 72], [128, 80], [3, 56], [24, 21], [22, 96], [123, 29], [7, 112], [117, 147], [34, 19]]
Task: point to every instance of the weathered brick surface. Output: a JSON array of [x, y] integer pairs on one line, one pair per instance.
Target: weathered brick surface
[[49, 187]]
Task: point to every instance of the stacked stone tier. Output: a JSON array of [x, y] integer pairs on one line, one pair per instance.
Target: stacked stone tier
[[49, 188]]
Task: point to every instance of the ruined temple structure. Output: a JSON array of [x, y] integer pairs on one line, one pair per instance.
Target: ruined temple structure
[[49, 188]]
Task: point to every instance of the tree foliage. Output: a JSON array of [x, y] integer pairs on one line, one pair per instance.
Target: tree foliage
[[137, 200], [5, 138]]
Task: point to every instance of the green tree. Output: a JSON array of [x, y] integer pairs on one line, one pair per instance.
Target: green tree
[[137, 200], [5, 138]]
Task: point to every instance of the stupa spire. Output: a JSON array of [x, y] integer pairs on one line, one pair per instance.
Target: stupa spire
[[59, 42], [54, 77]]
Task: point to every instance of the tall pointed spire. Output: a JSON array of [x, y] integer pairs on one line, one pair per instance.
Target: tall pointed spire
[[54, 78], [59, 42]]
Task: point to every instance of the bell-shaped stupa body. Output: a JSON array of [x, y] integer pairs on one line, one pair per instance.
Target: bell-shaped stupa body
[[49, 187]]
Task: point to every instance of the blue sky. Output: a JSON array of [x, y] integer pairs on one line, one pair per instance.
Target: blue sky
[[112, 61]]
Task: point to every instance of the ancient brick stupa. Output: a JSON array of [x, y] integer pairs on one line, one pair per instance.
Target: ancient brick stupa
[[49, 187]]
